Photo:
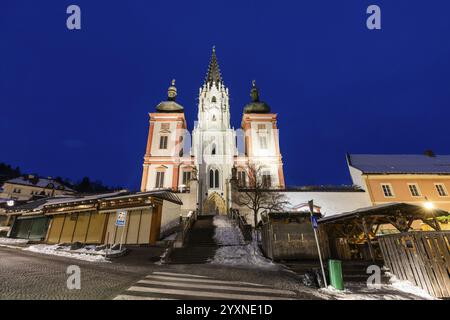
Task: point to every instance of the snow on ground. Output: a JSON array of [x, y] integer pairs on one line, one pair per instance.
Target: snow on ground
[[11, 241], [226, 233], [234, 251], [408, 287], [87, 253], [395, 290]]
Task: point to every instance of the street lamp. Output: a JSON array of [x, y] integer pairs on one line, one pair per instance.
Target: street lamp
[[428, 204]]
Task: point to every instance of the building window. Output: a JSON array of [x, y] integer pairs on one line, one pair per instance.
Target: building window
[[266, 180], [186, 177], [242, 179], [262, 141], [213, 149], [214, 178], [387, 190], [213, 99], [17, 190], [261, 127], [414, 190], [441, 190], [163, 142], [159, 179]]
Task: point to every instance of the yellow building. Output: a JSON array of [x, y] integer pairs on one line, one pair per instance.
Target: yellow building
[[415, 179], [33, 187]]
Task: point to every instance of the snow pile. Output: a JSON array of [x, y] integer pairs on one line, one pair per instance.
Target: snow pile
[[87, 253], [226, 233], [233, 250], [395, 290], [408, 287], [11, 241]]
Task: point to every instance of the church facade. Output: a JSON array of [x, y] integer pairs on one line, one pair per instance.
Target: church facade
[[209, 155]]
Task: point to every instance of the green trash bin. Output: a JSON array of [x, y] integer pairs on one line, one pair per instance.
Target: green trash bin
[[335, 269]]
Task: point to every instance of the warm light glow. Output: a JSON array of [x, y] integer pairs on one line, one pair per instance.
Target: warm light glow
[[428, 205]]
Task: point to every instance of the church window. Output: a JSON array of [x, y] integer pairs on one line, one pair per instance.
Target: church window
[[266, 180], [163, 142], [213, 99], [186, 177], [211, 178], [216, 182], [213, 149], [261, 127], [242, 179], [262, 141], [159, 179], [214, 178], [214, 117]]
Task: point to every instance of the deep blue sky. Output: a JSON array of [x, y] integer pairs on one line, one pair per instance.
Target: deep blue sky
[[76, 103]]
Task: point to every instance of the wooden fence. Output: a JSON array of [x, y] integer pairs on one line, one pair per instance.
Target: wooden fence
[[422, 258]]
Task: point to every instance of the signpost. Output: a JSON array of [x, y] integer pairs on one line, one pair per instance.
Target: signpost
[[315, 227], [121, 221]]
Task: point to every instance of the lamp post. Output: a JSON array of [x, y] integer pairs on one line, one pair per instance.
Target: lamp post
[[430, 207]]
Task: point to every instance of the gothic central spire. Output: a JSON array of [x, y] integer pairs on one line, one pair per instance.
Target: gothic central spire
[[213, 74]]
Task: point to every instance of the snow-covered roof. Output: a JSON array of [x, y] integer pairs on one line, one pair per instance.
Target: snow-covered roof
[[86, 198], [400, 163], [384, 209], [39, 182]]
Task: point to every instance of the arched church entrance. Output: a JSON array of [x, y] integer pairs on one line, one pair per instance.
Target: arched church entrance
[[215, 204]]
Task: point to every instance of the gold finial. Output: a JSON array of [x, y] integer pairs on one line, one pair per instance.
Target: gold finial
[[253, 83], [214, 48], [172, 92]]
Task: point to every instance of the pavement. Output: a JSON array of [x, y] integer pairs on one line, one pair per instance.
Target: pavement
[[32, 276]]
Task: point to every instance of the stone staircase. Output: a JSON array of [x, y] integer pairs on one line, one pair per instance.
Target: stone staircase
[[200, 245]]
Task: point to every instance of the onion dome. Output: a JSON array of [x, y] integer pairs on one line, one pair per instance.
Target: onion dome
[[170, 105], [256, 106]]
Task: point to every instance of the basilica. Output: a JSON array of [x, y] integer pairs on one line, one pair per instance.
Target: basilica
[[214, 150]]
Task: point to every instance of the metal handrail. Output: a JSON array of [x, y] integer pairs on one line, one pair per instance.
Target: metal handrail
[[245, 227]]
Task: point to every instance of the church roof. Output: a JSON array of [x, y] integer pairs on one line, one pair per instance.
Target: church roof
[[213, 73], [170, 105], [256, 106]]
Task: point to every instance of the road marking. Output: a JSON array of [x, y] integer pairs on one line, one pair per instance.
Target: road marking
[[206, 286], [179, 274], [128, 297], [207, 294], [201, 280]]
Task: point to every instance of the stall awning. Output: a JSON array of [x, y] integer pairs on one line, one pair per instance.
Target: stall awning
[[386, 210]]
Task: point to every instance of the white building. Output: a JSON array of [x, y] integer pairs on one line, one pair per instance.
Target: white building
[[173, 156]]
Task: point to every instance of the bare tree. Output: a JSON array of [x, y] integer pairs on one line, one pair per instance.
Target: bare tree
[[256, 193]]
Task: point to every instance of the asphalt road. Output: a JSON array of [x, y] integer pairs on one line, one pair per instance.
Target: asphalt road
[[27, 275]]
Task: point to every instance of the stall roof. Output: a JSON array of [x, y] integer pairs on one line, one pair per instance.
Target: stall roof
[[385, 209], [160, 194]]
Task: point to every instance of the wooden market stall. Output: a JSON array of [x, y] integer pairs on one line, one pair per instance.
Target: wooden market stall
[[354, 235]]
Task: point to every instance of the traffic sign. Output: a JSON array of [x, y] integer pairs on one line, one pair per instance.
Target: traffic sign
[[121, 219]]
